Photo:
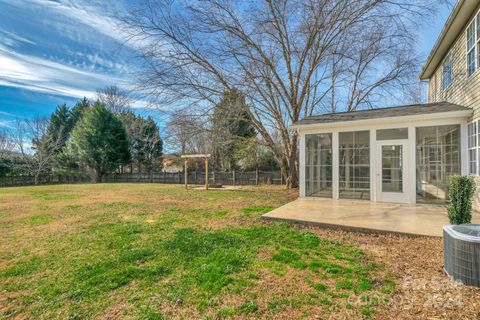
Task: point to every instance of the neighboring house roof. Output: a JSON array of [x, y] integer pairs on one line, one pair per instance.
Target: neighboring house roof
[[171, 165], [169, 162], [10, 154], [461, 14], [169, 156], [400, 111]]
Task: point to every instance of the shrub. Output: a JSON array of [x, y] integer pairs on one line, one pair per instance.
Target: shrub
[[461, 193]]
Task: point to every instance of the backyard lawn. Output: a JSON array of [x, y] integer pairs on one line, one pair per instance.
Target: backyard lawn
[[147, 251], [160, 252]]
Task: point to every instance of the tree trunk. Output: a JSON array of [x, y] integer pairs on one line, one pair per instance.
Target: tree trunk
[[98, 175], [292, 168]]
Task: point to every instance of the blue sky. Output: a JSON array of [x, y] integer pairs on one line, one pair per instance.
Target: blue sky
[[55, 52]]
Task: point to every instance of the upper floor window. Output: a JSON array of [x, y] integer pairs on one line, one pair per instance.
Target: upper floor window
[[478, 39], [447, 72], [473, 45]]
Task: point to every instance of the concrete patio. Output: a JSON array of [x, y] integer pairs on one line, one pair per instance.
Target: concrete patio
[[361, 215]]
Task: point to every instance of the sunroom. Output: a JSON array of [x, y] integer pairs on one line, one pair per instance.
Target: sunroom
[[401, 154]]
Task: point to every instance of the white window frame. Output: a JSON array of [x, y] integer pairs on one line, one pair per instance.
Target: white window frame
[[478, 38], [475, 48], [447, 67], [472, 145]]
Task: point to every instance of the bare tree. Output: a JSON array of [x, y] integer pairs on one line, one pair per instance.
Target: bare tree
[[290, 58], [31, 143], [45, 145], [6, 143], [9, 158], [416, 94], [114, 98], [151, 153], [374, 63], [186, 133], [19, 138]]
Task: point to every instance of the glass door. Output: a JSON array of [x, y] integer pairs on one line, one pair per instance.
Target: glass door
[[391, 173], [392, 168]]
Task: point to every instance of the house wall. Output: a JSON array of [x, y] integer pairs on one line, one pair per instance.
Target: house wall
[[463, 90]]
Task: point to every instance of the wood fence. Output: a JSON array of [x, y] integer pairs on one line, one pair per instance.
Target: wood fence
[[214, 178], [16, 181]]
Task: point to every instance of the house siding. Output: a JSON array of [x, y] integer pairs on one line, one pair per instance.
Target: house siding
[[463, 90]]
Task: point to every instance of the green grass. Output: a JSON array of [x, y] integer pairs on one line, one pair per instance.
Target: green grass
[[160, 252], [248, 307], [320, 287], [38, 220], [255, 210]]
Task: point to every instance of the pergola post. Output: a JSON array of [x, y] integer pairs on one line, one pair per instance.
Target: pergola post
[[206, 173], [186, 174], [186, 157]]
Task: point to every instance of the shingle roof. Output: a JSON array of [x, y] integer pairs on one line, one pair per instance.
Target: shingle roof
[[409, 110]]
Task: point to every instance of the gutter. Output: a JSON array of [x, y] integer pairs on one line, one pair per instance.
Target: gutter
[[383, 120], [456, 9]]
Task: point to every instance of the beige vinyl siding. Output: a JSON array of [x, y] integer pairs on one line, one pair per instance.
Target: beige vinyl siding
[[464, 90]]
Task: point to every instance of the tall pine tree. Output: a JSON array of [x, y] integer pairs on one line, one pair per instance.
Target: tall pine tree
[[100, 141]]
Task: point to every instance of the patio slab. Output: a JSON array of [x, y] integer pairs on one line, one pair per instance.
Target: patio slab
[[361, 215]]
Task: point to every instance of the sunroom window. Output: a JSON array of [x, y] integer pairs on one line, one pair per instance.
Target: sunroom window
[[472, 148], [447, 72], [318, 165], [354, 165], [438, 159]]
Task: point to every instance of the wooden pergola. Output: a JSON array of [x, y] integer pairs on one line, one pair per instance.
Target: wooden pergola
[[189, 156]]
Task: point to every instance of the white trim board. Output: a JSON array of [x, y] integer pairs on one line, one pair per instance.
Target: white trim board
[[460, 115]]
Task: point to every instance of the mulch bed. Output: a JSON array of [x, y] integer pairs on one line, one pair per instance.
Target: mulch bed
[[423, 290]]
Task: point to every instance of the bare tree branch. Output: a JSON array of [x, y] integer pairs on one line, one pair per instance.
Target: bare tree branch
[[290, 58]]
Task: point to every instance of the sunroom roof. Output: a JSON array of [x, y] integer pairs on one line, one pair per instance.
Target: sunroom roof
[[400, 111]]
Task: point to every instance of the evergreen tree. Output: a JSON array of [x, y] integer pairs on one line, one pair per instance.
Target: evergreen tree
[[6, 166], [128, 119], [153, 145], [79, 109], [231, 125], [100, 141], [250, 154], [59, 129], [145, 142], [64, 122]]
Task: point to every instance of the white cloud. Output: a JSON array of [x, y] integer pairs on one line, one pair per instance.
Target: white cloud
[[45, 76], [79, 55], [6, 124], [6, 114], [97, 15], [42, 75], [12, 39]]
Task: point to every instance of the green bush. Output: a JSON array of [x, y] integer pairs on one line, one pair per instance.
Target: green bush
[[461, 193]]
